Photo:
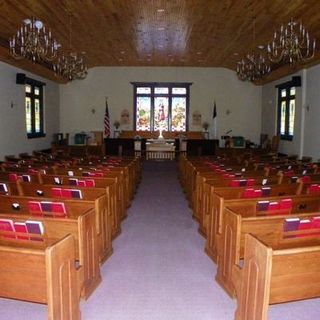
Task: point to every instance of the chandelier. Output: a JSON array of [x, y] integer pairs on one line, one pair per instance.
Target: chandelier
[[291, 44], [71, 66], [34, 42], [253, 67]]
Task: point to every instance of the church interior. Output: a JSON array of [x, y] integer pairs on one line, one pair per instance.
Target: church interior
[[159, 159]]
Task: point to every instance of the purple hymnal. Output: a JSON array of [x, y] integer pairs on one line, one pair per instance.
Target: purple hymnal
[[291, 224], [266, 191], [46, 206], [3, 187], [75, 193], [262, 205], [35, 227]]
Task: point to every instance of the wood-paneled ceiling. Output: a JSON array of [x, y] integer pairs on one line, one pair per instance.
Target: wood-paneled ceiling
[[198, 33]]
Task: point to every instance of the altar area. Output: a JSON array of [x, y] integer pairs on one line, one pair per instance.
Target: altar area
[[160, 149]]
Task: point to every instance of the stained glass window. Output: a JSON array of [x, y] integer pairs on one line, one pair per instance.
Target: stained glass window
[[143, 113], [286, 115], [28, 88], [179, 91], [161, 116], [144, 90], [161, 90], [28, 115], [178, 116], [283, 118], [291, 116], [37, 115], [34, 108], [161, 106]]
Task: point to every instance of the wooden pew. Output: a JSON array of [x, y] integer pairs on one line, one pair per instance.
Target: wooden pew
[[276, 273], [121, 184], [41, 272], [96, 197], [208, 186], [110, 186], [79, 222], [241, 218], [218, 198]]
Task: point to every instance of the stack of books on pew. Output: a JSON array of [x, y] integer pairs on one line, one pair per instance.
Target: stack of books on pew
[[45, 208], [293, 226], [274, 206], [28, 230], [66, 193]]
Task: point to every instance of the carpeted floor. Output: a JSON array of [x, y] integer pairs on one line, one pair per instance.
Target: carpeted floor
[[159, 270]]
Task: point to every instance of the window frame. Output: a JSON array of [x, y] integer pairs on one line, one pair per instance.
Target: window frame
[[169, 95], [35, 84], [286, 86]]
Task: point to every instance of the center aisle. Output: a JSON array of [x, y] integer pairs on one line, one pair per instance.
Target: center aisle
[[159, 269]]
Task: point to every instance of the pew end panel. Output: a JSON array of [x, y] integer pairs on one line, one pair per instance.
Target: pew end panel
[[48, 268], [277, 273]]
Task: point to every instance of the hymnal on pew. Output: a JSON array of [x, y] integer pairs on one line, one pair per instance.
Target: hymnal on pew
[[6, 225], [3, 188], [21, 227]]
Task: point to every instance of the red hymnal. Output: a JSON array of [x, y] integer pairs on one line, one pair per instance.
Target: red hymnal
[[305, 179], [66, 193], [257, 193], [315, 222], [90, 183], [56, 192], [34, 206], [21, 227], [7, 225], [286, 204], [81, 183], [248, 193], [250, 182], [314, 188], [58, 208], [13, 177], [234, 183], [304, 224], [274, 206]]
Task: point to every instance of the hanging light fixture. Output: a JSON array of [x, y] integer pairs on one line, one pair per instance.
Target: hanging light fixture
[[71, 65], [33, 41], [291, 44], [254, 65]]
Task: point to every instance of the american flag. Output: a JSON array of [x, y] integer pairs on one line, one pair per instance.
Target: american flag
[[106, 121]]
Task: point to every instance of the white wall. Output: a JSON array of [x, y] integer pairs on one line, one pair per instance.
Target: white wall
[[13, 137], [312, 114], [243, 99], [269, 115]]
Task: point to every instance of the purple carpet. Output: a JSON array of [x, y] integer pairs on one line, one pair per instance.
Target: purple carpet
[[159, 270]]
